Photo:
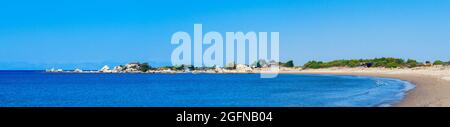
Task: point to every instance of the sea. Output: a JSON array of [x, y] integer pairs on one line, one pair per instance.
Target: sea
[[42, 89]]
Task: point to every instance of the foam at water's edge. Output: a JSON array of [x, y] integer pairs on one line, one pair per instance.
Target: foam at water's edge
[[399, 95], [407, 87]]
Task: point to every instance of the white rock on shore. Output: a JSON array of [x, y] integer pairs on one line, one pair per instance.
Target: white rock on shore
[[77, 70], [105, 69]]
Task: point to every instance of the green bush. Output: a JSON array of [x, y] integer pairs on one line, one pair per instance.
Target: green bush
[[144, 67], [289, 63], [411, 63], [313, 64], [259, 63], [377, 62], [392, 65], [438, 62]]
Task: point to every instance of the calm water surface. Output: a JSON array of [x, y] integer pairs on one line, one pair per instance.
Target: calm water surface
[[37, 88]]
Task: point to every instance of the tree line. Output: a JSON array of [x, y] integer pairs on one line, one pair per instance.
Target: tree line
[[388, 62]]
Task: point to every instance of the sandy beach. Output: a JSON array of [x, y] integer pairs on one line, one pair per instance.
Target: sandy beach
[[432, 83]]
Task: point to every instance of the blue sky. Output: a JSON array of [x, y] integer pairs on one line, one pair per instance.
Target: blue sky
[[90, 33]]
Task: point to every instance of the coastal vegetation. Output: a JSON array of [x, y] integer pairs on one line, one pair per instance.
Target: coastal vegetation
[[289, 63], [439, 62], [386, 62], [233, 67], [142, 67]]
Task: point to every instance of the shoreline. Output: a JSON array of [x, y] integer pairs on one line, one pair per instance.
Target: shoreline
[[432, 84], [431, 89]]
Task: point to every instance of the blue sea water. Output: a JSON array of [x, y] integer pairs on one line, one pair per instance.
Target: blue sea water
[[40, 89]]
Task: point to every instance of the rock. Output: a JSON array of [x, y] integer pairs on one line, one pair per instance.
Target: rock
[[77, 70], [243, 68], [105, 69]]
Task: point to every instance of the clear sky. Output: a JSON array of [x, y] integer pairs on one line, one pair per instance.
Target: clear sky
[[89, 33]]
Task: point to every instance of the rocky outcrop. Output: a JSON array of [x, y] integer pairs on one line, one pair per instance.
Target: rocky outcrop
[[105, 69]]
